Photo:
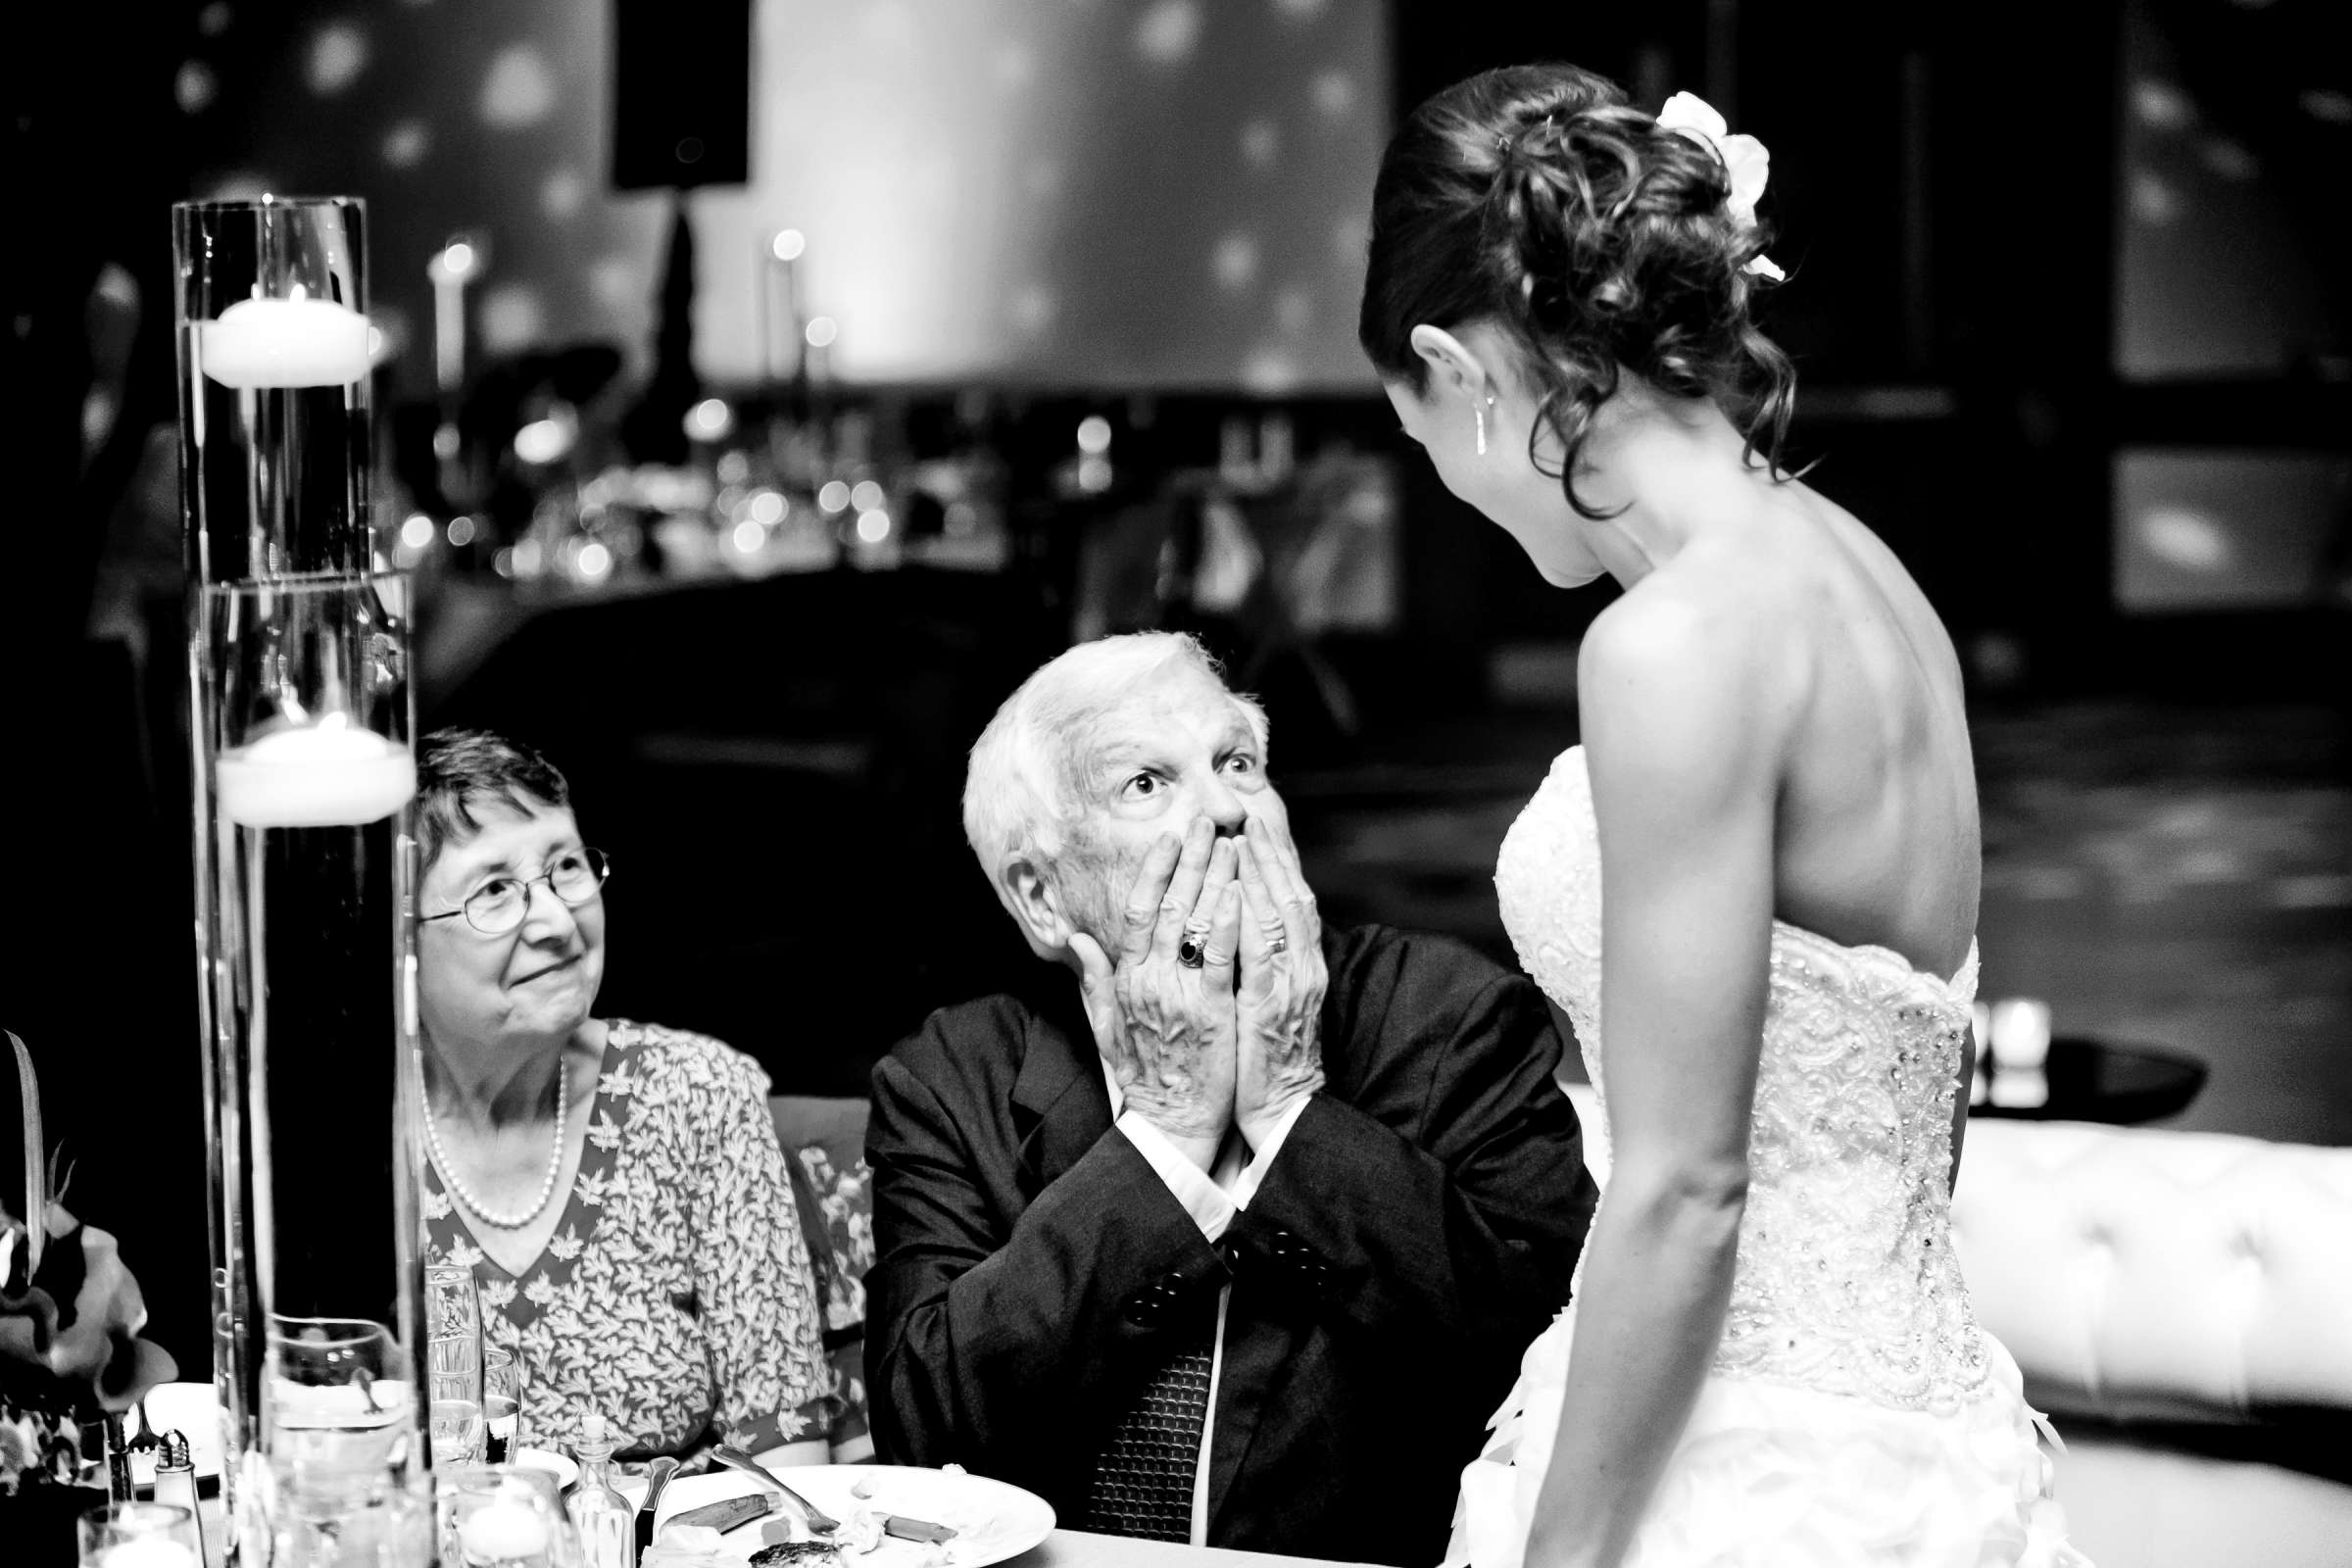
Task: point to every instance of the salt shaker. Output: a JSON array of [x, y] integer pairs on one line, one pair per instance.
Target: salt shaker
[[606, 1524]]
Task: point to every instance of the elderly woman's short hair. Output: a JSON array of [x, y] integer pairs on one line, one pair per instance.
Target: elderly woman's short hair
[[462, 773], [1022, 792]]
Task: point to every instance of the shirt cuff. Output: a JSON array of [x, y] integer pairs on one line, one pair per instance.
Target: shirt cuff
[[1187, 1182], [1261, 1159]]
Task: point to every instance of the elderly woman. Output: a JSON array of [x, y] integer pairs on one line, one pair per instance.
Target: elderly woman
[[616, 1187]]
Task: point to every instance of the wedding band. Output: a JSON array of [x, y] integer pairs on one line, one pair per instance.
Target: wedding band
[[1192, 951], [1277, 942]]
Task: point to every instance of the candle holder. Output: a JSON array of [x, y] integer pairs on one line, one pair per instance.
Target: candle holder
[[305, 771], [274, 353], [302, 772]]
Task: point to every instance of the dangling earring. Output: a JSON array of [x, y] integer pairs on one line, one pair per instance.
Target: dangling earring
[[1478, 412]]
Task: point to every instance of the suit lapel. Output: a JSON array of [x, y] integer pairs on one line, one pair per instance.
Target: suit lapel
[[1061, 1107]]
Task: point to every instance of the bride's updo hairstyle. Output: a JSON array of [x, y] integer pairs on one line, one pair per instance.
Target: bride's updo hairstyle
[[1538, 198]]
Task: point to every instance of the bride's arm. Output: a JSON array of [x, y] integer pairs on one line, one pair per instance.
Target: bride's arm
[[1683, 745]]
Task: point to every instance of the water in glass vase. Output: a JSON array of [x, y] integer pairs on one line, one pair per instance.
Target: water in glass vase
[[277, 478]]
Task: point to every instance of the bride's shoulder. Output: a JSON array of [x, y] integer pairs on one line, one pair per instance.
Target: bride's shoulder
[[1685, 675], [1691, 634]]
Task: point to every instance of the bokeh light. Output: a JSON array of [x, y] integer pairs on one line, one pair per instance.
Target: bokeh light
[[873, 526], [866, 494], [788, 245], [835, 496], [520, 89], [1094, 434], [822, 330], [338, 54], [543, 440], [417, 531]]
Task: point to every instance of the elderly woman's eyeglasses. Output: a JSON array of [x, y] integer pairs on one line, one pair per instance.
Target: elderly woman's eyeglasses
[[499, 905]]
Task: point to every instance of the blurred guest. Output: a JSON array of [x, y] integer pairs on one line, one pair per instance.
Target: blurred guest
[[1227, 1236], [616, 1187]]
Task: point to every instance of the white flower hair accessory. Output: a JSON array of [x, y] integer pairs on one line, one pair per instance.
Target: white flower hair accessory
[[1744, 159]]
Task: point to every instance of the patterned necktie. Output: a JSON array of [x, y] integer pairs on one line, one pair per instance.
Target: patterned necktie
[[1142, 1482]]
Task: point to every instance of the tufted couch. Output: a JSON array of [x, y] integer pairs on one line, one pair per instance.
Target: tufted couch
[[2181, 1306], [2181, 1303]]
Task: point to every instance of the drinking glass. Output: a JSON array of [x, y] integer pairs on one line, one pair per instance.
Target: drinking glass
[[138, 1534], [339, 1413], [453, 1314], [501, 1516], [502, 1400]]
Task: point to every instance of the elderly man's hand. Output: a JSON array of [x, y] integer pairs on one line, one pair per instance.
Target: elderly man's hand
[[1279, 1007], [1167, 1030]]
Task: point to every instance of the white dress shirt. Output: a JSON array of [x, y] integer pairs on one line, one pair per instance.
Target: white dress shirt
[[1212, 1199]]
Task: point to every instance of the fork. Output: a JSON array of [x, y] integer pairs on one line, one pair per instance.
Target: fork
[[145, 1441], [820, 1523]]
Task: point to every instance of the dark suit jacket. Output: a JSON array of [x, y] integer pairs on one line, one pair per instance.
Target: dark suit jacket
[[1416, 1230]]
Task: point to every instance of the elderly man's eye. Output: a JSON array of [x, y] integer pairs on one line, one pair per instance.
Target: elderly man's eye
[[1142, 786], [1241, 762]]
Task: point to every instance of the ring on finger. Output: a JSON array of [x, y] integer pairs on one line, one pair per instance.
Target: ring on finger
[[1192, 951], [1278, 939]]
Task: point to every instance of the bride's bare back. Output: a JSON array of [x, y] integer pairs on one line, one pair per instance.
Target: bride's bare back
[[1876, 835]]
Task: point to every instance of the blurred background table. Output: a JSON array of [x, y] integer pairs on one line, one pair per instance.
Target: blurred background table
[[2106, 1081]]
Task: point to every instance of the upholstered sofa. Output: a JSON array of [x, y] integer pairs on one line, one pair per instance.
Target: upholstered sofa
[[2180, 1303]]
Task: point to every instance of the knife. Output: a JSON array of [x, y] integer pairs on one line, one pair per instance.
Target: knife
[[725, 1515], [656, 1476]]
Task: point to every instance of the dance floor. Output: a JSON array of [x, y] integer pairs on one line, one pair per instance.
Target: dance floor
[[2180, 877]]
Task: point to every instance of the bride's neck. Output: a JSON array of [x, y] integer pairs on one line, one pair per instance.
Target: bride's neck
[[1669, 469]]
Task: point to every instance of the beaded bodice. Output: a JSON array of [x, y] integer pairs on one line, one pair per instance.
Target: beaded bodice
[[1844, 1280]]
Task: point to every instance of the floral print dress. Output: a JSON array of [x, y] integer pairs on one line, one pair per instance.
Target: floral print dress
[[675, 1297]]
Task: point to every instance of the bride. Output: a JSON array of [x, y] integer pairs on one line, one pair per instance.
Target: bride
[[1771, 1356]]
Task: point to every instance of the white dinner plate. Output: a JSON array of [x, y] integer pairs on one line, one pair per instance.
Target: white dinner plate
[[188, 1408], [992, 1520], [564, 1470]]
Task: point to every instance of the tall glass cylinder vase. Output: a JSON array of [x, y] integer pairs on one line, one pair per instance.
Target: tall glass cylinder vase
[[274, 403], [303, 734], [302, 771]]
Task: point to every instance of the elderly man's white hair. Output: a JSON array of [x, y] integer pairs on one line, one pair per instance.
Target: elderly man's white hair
[[1021, 791]]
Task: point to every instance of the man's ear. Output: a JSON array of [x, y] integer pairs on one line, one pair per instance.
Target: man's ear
[[1453, 369], [1036, 904]]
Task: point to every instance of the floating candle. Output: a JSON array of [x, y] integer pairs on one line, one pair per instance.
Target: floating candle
[[285, 342], [502, 1532], [326, 774]]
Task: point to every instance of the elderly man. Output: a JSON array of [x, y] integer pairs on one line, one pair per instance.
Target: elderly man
[[1235, 1239]]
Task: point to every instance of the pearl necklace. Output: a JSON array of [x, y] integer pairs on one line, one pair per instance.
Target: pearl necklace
[[555, 1161]]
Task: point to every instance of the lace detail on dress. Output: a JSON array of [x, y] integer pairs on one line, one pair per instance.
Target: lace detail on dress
[[1845, 1281]]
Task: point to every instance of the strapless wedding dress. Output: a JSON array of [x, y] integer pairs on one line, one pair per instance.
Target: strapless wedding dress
[[1853, 1412]]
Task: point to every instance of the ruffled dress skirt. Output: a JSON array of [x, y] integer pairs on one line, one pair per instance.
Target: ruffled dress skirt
[[1767, 1473]]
